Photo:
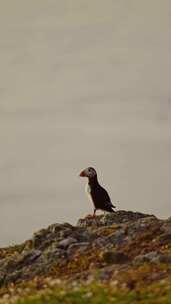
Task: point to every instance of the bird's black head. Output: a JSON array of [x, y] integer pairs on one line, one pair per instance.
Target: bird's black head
[[88, 172]]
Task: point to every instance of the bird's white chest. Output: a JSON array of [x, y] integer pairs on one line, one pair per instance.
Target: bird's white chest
[[88, 192]]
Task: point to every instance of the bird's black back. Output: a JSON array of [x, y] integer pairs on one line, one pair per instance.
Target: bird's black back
[[100, 196]]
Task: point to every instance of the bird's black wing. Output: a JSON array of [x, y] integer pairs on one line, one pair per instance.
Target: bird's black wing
[[107, 197], [102, 199]]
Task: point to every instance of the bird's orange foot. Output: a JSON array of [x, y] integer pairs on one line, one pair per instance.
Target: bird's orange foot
[[91, 216]]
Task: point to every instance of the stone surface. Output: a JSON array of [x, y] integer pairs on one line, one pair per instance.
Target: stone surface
[[66, 242], [165, 258], [165, 238], [148, 257], [119, 240], [111, 218], [112, 257]]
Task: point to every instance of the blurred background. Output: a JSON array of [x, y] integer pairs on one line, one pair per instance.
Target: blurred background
[[82, 83]]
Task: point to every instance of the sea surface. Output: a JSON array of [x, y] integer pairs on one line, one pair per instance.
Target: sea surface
[[82, 83]]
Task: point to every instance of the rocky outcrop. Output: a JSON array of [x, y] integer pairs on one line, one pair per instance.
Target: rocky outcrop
[[118, 217], [115, 244]]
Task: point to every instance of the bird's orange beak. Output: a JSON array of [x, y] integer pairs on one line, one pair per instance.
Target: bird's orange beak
[[82, 174]]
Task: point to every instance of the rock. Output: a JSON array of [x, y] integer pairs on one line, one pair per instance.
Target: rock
[[169, 219], [100, 243], [77, 247], [166, 227], [165, 258], [23, 260], [115, 242], [32, 256], [112, 257], [165, 238], [83, 235], [55, 228], [66, 242], [120, 216], [104, 275], [65, 233], [152, 256], [90, 222], [53, 254], [117, 238], [2, 278], [146, 228], [38, 237]]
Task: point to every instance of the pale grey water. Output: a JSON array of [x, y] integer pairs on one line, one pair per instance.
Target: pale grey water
[[82, 83]]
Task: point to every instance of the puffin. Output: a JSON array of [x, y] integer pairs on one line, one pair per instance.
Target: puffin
[[96, 193]]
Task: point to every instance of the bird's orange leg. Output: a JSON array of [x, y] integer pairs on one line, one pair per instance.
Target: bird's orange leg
[[92, 216]]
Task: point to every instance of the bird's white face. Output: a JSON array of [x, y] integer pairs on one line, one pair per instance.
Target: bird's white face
[[88, 172]]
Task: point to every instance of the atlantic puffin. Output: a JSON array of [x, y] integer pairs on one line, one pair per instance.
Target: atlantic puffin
[[97, 194]]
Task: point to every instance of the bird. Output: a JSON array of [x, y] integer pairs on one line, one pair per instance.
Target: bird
[[96, 193]]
